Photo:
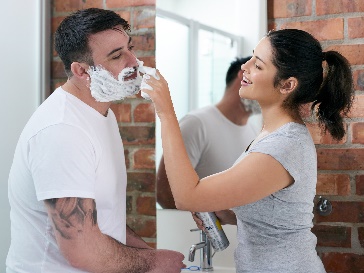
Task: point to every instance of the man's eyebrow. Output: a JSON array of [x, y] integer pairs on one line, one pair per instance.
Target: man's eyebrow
[[117, 49], [114, 50], [258, 58]]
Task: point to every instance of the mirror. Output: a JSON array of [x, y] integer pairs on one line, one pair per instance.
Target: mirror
[[195, 42]]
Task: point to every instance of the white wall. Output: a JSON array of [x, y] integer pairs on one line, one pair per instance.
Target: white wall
[[20, 85]]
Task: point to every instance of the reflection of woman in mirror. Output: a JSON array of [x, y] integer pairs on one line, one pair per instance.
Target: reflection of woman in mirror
[[272, 185]]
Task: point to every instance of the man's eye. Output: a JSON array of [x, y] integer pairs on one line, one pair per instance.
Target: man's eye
[[131, 47], [116, 57]]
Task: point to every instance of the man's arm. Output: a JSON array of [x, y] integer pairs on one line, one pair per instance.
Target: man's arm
[[164, 193], [85, 247]]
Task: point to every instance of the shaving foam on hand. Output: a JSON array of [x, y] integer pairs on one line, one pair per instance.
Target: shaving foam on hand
[[147, 71]]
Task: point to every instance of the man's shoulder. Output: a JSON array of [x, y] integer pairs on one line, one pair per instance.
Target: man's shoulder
[[203, 112]]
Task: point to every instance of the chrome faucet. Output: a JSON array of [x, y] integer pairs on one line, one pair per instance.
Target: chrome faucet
[[205, 252]]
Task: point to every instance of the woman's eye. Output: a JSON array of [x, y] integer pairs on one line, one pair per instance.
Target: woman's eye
[[257, 66]]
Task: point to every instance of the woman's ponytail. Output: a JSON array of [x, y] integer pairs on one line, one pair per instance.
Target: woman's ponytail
[[336, 94]]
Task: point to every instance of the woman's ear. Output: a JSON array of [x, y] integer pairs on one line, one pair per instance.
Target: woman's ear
[[289, 85], [79, 70]]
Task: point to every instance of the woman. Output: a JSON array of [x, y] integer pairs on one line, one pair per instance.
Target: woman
[[272, 185]]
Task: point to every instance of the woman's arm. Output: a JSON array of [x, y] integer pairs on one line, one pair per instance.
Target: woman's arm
[[253, 178]]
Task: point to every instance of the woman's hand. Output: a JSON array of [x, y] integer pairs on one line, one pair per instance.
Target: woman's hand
[[160, 96], [226, 217]]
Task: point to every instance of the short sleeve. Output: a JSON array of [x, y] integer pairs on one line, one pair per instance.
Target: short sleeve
[[193, 137], [283, 148], [62, 161]]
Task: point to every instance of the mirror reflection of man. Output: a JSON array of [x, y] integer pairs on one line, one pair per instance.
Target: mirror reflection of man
[[216, 135], [67, 184]]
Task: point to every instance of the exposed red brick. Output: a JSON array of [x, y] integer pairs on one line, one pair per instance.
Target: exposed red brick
[[129, 204], [288, 8], [354, 53], [346, 212], [129, 3], [358, 78], [361, 236], [142, 226], [57, 70], [340, 159], [336, 7], [56, 22], [355, 27], [144, 159], [145, 42], [144, 112], [358, 132], [143, 182], [122, 111], [359, 179], [125, 14], [357, 111], [137, 135], [74, 5], [144, 18], [146, 205], [332, 236], [319, 135], [330, 29], [343, 262], [333, 184]]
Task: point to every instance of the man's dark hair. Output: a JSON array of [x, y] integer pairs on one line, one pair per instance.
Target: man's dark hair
[[71, 37], [234, 68]]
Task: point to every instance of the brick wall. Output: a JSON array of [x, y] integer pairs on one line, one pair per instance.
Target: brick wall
[[135, 116], [339, 26]]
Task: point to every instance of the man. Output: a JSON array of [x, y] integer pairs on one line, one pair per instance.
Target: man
[[215, 136], [67, 184]]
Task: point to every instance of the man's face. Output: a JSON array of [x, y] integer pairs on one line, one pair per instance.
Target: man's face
[[112, 49]]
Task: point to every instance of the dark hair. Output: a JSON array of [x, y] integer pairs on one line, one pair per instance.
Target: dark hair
[[298, 54], [234, 68], [71, 37]]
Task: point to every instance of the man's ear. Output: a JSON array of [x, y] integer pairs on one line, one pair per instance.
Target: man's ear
[[79, 70], [289, 85]]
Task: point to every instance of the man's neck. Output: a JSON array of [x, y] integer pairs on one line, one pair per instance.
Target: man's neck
[[232, 108], [83, 93]]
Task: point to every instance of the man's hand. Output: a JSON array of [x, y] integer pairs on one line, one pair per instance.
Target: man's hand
[[168, 261]]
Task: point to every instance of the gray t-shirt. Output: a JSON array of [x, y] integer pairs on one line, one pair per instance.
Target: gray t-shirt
[[274, 233]]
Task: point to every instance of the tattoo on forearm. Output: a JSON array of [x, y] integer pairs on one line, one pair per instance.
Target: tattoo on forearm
[[72, 215]]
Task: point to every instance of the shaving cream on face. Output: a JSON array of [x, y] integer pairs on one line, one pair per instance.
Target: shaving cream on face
[[105, 88]]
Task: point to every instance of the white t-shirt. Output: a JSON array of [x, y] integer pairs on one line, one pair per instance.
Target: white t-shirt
[[213, 142], [67, 149]]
